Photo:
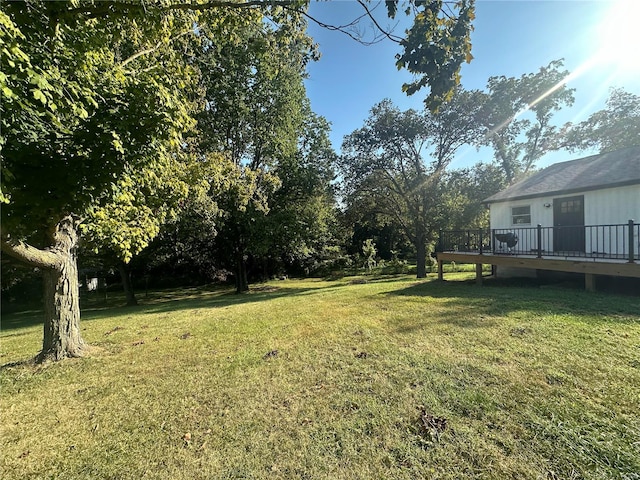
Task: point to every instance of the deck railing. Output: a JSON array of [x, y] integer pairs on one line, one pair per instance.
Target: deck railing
[[620, 242]]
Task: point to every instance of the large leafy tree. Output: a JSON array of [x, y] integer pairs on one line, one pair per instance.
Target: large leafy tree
[[396, 162], [518, 117], [86, 103], [301, 220], [239, 60], [255, 99]]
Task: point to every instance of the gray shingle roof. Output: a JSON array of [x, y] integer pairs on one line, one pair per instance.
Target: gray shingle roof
[[605, 170]]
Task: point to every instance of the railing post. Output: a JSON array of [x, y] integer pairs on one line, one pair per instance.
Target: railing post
[[631, 245], [539, 232], [493, 242], [480, 239]]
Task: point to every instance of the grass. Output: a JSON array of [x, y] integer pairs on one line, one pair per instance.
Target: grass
[[333, 380]]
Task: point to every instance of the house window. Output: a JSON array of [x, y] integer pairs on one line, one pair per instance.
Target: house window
[[521, 215], [571, 206]]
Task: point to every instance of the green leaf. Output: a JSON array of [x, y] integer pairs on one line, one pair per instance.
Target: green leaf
[[38, 95], [7, 92]]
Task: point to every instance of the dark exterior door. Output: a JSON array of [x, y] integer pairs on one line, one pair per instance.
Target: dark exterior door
[[568, 224]]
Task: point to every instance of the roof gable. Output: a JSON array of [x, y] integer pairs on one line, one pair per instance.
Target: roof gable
[[605, 170]]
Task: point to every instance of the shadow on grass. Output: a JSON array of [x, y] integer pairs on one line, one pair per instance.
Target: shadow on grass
[[191, 298], [26, 318], [465, 304]]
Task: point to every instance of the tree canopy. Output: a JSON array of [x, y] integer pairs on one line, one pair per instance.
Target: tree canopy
[[94, 109], [614, 127], [395, 164], [435, 46], [517, 117]]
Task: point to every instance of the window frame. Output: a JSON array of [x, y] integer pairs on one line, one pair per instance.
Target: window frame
[[515, 216]]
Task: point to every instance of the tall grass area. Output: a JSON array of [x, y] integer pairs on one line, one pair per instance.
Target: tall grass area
[[366, 378]]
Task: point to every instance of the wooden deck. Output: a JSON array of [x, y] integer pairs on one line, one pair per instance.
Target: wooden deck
[[588, 266]]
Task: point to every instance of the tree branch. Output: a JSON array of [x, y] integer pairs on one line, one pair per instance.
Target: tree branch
[[28, 254], [342, 28], [122, 8], [152, 49], [119, 7], [389, 35]]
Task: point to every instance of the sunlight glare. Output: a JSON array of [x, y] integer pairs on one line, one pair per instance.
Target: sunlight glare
[[615, 52], [618, 39]]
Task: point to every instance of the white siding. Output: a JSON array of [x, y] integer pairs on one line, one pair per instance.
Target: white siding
[[500, 218], [611, 206]]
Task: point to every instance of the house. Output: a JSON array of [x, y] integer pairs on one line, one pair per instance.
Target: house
[[579, 216], [582, 199]]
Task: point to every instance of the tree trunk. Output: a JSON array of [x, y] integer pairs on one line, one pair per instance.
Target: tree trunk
[[62, 337], [421, 249], [127, 286], [242, 285]]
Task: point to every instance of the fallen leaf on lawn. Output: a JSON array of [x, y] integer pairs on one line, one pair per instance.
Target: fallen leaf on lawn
[[271, 354], [432, 426]]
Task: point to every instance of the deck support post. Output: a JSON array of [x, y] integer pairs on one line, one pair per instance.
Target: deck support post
[[539, 239], [440, 272], [590, 282], [479, 274]]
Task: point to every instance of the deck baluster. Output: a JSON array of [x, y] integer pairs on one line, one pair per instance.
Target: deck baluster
[[631, 245]]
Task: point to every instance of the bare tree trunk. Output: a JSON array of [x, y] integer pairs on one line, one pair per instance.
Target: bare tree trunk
[[62, 337], [127, 286], [420, 243], [421, 261], [242, 284]]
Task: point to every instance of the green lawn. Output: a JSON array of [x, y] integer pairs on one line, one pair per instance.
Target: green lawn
[[333, 380]]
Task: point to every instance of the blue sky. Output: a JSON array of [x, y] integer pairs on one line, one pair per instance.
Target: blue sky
[[511, 38]]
